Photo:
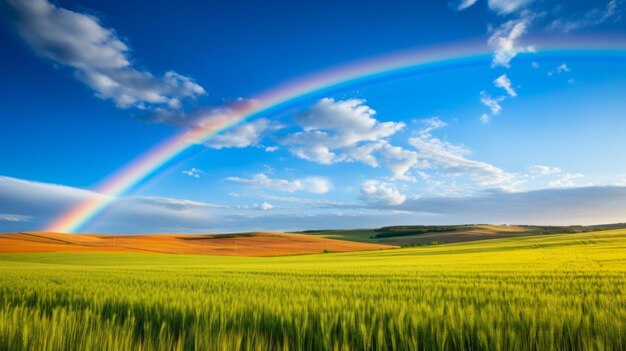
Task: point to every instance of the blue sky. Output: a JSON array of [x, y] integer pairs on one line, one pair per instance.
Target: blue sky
[[89, 85]]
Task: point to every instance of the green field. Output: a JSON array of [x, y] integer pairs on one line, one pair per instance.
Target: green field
[[421, 235], [564, 292]]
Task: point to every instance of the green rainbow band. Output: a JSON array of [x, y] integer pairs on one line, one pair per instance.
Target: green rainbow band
[[441, 58]]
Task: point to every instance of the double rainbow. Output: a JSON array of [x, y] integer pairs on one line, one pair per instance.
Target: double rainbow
[[433, 59]]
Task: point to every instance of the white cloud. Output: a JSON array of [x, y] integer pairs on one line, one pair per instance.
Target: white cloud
[[264, 206], [446, 157], [505, 83], [485, 118], [339, 131], [373, 191], [566, 206], [271, 148], [399, 160], [492, 103], [8, 217], [504, 40], [502, 7], [175, 204], [562, 68], [100, 59], [591, 18], [316, 185], [193, 172], [41, 202], [463, 4], [566, 180], [247, 134], [534, 64], [507, 6], [544, 170], [309, 203]]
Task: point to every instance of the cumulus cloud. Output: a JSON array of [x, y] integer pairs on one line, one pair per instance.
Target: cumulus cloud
[[316, 185], [264, 206], [339, 131], [399, 160], [505, 83], [492, 103], [451, 159], [505, 40], [247, 134], [373, 191], [99, 58], [346, 131]]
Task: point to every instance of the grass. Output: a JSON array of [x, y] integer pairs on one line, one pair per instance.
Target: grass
[[549, 292], [419, 235]]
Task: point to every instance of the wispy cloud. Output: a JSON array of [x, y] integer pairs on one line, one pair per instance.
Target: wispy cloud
[[97, 55], [505, 40], [193, 172], [34, 203], [485, 118], [543, 170], [316, 185], [505, 83], [591, 18], [462, 4], [502, 7], [43, 201], [452, 159], [562, 68], [505, 7], [566, 180], [9, 217], [492, 103], [247, 134]]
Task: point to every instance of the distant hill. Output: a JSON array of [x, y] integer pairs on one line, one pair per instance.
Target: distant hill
[[243, 244], [419, 235]]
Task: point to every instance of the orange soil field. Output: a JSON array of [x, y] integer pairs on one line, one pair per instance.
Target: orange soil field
[[245, 244]]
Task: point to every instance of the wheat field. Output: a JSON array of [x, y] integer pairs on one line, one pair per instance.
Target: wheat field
[[550, 292]]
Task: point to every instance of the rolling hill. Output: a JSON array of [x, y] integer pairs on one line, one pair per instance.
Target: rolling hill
[[243, 244], [420, 235]]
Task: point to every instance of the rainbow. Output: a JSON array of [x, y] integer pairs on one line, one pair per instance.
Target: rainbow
[[418, 61]]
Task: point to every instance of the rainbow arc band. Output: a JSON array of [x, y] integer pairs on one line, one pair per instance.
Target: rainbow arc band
[[379, 68]]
